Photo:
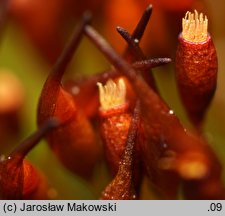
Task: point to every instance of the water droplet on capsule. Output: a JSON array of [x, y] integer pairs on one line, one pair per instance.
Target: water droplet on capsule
[[171, 112], [136, 41]]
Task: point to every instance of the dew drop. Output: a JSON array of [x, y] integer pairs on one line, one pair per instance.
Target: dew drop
[[134, 196], [171, 112], [75, 90], [136, 41], [105, 194]]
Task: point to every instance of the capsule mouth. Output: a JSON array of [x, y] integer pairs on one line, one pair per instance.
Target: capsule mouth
[[182, 39], [195, 27]]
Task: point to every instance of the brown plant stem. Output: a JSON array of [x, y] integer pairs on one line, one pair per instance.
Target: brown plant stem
[[53, 82], [143, 22], [133, 51], [27, 145], [134, 39]]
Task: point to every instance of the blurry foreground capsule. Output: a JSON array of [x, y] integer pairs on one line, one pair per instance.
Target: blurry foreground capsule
[[18, 178], [74, 142]]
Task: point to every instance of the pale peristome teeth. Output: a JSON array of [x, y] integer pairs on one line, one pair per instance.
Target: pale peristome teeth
[[195, 27], [112, 95]]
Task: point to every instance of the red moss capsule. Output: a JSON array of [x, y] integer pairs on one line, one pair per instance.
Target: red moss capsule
[[19, 179], [115, 121], [74, 142], [32, 180], [196, 66], [122, 186]]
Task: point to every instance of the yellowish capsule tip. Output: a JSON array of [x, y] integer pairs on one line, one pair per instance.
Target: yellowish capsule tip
[[195, 27], [112, 95]]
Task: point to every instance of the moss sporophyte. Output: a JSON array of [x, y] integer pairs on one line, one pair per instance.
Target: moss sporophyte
[[119, 116]]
